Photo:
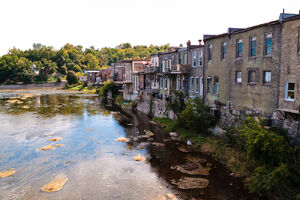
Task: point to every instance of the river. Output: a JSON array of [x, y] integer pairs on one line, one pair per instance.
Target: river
[[95, 165]]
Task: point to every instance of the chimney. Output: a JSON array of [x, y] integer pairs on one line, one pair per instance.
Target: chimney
[[200, 42], [188, 43], [180, 45]]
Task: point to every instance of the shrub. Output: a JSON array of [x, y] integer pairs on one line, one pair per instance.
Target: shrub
[[72, 78], [176, 102], [58, 80], [196, 116], [108, 86]]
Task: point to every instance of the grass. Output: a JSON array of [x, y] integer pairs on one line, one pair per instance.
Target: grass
[[212, 145], [82, 88]]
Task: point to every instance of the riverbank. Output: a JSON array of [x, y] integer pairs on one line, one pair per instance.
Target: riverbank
[[33, 86], [81, 88]]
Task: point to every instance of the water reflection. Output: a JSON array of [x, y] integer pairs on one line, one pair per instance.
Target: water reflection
[[96, 165]]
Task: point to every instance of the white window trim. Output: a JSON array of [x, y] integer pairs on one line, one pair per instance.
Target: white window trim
[[286, 92]]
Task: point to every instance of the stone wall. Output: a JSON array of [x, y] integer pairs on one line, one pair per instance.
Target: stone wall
[[159, 106], [30, 86]]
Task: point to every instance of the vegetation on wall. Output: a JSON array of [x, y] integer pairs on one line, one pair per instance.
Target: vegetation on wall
[[108, 86]]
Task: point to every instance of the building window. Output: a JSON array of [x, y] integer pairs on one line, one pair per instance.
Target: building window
[[194, 59], [299, 40], [200, 58], [251, 76], [238, 77], [216, 85], [191, 83], [161, 83], [179, 59], [239, 48], [252, 46], [210, 52], [166, 83], [290, 91], [268, 44], [266, 77], [196, 84], [223, 50], [208, 84]]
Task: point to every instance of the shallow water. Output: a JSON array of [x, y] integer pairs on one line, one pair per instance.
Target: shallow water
[[96, 165]]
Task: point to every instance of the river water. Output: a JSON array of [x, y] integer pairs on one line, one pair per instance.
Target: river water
[[95, 164]]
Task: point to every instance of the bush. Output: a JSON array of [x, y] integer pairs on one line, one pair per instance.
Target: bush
[[176, 102], [58, 80], [196, 116], [264, 146], [119, 100], [108, 86], [72, 78]]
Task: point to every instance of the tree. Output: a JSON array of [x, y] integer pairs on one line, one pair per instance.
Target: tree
[[91, 61], [72, 78]]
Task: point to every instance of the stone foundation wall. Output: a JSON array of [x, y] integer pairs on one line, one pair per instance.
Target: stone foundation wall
[[159, 106]]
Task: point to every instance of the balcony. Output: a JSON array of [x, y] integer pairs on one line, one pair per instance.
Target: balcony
[[152, 70], [181, 69]]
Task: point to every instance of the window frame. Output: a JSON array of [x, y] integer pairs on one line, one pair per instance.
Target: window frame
[[194, 58], [264, 77], [200, 63], [266, 45], [298, 50], [223, 50], [166, 83], [191, 83], [251, 54], [209, 52], [249, 77], [196, 84], [287, 91], [208, 87], [216, 85], [239, 48], [236, 77]]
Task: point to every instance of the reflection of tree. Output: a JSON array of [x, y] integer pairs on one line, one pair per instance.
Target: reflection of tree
[[52, 105]]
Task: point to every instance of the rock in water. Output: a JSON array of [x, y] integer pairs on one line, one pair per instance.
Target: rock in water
[[191, 183], [149, 133], [59, 145], [48, 147], [7, 173], [139, 157], [122, 139], [173, 134], [55, 139], [56, 184]]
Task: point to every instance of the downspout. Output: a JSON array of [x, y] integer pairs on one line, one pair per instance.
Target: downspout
[[203, 71], [279, 63]]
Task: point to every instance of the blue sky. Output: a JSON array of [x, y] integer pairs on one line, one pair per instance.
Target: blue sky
[[111, 22]]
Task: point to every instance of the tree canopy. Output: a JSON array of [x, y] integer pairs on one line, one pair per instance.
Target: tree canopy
[[41, 62]]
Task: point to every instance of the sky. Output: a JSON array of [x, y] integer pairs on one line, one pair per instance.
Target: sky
[[107, 23]]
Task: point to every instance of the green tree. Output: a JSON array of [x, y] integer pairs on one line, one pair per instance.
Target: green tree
[[72, 78]]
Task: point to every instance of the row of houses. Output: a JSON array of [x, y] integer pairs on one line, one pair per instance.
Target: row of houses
[[254, 68]]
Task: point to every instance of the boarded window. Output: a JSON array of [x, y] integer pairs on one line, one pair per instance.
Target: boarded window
[[238, 77], [266, 77], [210, 52], [251, 76], [268, 44], [290, 91], [252, 46], [223, 50], [239, 48]]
